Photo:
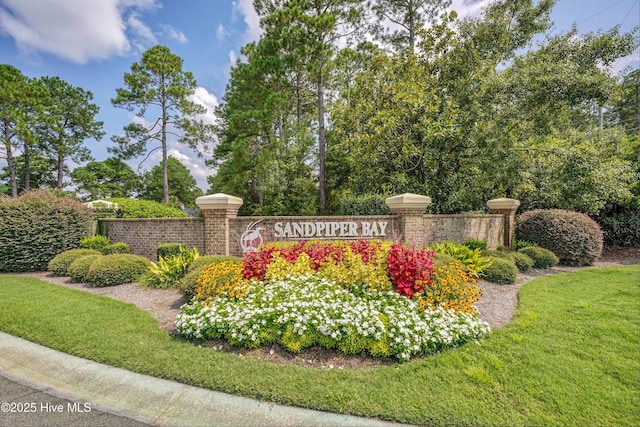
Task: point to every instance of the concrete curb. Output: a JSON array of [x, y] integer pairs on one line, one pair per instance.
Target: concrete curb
[[148, 399]]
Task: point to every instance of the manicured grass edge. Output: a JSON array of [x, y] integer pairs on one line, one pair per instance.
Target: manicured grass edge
[[558, 362]]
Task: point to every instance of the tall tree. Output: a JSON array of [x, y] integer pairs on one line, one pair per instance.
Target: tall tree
[[310, 30], [158, 81], [183, 187], [401, 20], [106, 179], [19, 102], [12, 84], [265, 148], [68, 118]]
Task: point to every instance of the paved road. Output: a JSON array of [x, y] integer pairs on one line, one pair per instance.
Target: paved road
[[23, 406]]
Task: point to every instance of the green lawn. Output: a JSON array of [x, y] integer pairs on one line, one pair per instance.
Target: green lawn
[[570, 357]]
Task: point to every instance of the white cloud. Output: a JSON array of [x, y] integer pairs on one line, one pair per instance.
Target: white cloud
[[233, 57], [141, 30], [208, 100], [188, 158], [469, 8], [251, 19], [221, 32], [175, 34], [79, 31]]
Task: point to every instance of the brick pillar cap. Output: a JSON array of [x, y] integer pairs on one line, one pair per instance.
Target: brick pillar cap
[[408, 201], [503, 203], [218, 201]]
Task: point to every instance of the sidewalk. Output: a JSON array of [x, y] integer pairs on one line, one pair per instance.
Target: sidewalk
[[97, 387]]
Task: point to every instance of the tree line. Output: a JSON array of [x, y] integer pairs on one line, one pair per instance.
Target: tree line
[[332, 102], [44, 122], [340, 98]]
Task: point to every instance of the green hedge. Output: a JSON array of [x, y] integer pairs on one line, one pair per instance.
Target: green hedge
[[131, 208], [38, 226]]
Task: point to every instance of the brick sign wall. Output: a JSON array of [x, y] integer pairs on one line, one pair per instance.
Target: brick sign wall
[[222, 232]]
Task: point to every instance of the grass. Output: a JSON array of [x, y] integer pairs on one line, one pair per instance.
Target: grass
[[569, 357]]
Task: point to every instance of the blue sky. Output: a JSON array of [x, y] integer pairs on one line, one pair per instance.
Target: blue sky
[[92, 43]]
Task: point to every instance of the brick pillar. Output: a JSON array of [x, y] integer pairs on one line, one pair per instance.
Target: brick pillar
[[217, 209], [507, 208], [410, 210]]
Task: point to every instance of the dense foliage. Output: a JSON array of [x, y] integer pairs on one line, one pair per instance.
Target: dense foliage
[[621, 225], [366, 204], [460, 110], [37, 226], [574, 237]]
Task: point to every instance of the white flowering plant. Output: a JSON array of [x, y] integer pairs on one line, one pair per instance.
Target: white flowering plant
[[303, 311]]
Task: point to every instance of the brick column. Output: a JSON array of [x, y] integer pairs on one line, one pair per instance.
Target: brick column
[[410, 210], [507, 208], [217, 209]]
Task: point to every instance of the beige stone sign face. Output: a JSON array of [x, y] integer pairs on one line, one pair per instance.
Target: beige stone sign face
[[298, 230]]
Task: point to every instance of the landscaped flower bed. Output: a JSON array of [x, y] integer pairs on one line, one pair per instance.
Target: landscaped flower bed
[[381, 298]]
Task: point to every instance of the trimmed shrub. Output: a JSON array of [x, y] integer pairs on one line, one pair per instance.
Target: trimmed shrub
[[542, 258], [61, 262], [573, 237], [501, 271], [116, 248], [37, 226], [94, 242], [366, 204], [79, 268], [522, 261], [130, 208], [187, 284], [165, 250], [476, 244], [115, 269]]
